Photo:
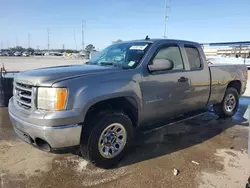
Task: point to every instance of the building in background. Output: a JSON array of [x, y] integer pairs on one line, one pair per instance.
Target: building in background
[[228, 49]]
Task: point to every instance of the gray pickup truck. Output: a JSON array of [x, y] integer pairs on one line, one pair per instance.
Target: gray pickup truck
[[129, 86]]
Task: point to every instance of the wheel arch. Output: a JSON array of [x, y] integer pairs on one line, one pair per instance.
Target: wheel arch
[[236, 84], [126, 104]]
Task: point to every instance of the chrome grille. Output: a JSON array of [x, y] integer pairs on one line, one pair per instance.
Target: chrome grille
[[23, 95]]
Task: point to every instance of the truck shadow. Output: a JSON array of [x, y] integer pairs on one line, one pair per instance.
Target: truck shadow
[[177, 137]]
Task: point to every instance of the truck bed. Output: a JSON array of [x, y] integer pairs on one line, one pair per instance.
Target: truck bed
[[221, 74]]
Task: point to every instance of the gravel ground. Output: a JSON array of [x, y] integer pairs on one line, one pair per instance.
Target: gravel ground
[[218, 148]]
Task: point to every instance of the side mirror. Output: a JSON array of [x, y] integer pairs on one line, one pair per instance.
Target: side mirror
[[161, 65]]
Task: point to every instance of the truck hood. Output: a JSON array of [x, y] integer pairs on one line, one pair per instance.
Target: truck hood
[[49, 76]]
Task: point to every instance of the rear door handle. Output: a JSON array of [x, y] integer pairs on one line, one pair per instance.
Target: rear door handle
[[182, 79]]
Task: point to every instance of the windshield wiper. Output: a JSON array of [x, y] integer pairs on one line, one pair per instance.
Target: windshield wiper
[[111, 64], [107, 63]]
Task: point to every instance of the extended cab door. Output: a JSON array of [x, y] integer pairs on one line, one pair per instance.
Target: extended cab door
[[199, 75], [165, 92]]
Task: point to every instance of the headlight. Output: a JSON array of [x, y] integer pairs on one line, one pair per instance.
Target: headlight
[[52, 98]]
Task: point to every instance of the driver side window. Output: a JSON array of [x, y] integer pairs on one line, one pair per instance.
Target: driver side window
[[171, 53]]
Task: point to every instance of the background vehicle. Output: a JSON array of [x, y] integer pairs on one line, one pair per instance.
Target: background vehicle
[[38, 53], [128, 86], [25, 54], [57, 54], [17, 54], [9, 54]]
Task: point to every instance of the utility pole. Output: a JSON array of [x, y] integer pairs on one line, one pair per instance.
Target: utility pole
[[8, 44], [63, 46], [48, 39], [29, 40], [1, 45], [165, 19], [83, 27], [75, 38], [16, 41]]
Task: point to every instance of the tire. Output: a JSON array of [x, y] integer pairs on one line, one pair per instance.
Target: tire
[[93, 133], [223, 109]]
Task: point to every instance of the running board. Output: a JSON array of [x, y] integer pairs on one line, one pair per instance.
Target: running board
[[174, 122]]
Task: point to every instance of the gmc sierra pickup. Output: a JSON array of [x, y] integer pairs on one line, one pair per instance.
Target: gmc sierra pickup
[[128, 86]]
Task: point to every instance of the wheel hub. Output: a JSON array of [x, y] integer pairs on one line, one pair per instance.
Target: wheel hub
[[230, 102], [112, 140]]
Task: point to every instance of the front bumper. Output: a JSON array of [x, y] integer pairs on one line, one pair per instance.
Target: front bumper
[[56, 136]]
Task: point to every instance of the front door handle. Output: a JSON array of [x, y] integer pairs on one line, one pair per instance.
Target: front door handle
[[182, 79]]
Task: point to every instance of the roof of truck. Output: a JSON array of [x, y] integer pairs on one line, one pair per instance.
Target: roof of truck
[[161, 40]]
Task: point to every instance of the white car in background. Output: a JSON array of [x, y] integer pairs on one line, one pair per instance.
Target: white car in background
[[26, 54], [17, 54]]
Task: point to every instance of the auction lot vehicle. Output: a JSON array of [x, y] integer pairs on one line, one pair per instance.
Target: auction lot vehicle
[[132, 85], [26, 54], [17, 54]]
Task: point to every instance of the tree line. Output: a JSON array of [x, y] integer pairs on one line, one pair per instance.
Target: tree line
[[88, 48]]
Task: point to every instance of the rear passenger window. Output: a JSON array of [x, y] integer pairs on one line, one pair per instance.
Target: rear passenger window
[[171, 53], [193, 57]]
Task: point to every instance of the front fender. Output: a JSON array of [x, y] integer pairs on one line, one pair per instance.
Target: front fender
[[90, 95]]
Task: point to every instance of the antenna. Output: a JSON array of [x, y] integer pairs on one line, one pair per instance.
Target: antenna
[[165, 19], [48, 38], [83, 27]]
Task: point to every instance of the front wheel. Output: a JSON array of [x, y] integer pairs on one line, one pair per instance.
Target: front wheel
[[229, 105], [108, 139]]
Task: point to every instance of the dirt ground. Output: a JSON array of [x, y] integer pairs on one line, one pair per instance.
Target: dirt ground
[[218, 148]]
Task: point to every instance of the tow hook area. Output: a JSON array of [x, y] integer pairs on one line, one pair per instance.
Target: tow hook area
[[42, 144]]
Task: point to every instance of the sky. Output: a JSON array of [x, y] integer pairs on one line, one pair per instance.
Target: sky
[[109, 20]]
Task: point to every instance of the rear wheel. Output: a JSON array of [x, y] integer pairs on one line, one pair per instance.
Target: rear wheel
[[229, 105], [108, 138]]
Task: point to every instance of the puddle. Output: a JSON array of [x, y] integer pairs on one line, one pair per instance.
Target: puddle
[[245, 100], [243, 104], [19, 158], [89, 175], [234, 174]]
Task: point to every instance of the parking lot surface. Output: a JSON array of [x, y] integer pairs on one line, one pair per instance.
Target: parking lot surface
[[34, 62], [207, 152]]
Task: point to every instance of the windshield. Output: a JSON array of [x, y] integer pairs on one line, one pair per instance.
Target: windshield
[[125, 55]]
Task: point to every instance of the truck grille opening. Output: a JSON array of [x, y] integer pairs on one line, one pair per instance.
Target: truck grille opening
[[23, 95]]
